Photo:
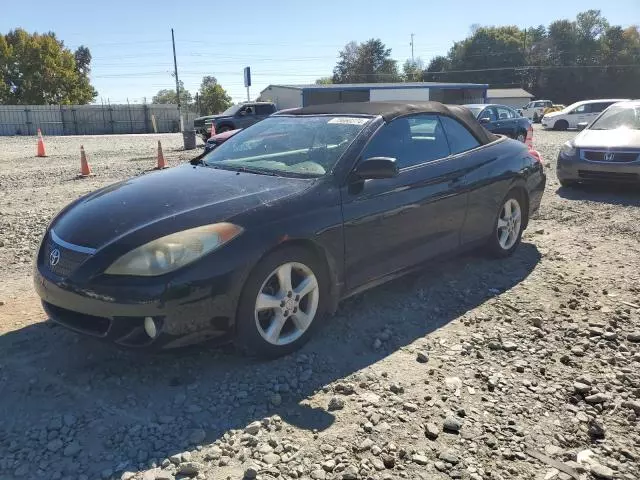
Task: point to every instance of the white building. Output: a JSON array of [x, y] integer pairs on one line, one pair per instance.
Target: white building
[[513, 97], [292, 96]]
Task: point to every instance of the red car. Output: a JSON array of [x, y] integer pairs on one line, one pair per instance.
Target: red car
[[219, 139]]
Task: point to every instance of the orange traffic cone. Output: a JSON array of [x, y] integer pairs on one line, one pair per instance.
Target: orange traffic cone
[[162, 163], [85, 170], [529, 139], [40, 152]]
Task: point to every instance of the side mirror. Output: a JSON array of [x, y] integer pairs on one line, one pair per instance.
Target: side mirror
[[485, 120], [376, 168], [582, 125]]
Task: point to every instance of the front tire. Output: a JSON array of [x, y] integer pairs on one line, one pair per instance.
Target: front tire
[[508, 226], [281, 303], [561, 125], [521, 136], [536, 118]]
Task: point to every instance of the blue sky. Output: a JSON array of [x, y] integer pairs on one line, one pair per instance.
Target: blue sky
[[284, 41]]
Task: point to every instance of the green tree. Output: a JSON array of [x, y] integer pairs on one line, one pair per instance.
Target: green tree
[[566, 61], [213, 98], [324, 81], [37, 69], [82, 56], [412, 70], [436, 65], [168, 95], [488, 51], [368, 62]]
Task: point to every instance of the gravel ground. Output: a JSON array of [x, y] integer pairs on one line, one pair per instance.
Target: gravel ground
[[527, 368]]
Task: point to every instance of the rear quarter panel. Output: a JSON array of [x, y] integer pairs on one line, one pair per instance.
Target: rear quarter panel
[[499, 167]]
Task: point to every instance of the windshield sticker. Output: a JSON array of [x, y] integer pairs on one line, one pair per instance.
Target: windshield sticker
[[349, 120]]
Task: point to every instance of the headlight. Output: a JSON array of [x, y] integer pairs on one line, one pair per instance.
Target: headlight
[[169, 253], [568, 150]]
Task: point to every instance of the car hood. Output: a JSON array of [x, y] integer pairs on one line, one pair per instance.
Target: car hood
[[618, 138], [167, 201], [553, 114]]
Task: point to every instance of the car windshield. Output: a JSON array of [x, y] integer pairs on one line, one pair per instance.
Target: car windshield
[[232, 110], [302, 146], [618, 116], [572, 106]]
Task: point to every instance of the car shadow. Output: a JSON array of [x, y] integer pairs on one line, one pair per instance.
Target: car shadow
[[614, 194], [127, 409]]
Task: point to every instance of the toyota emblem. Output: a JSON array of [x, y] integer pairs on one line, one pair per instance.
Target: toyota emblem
[[608, 156], [54, 257]]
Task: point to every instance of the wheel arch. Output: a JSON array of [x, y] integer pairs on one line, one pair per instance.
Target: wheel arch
[[561, 124], [325, 257], [521, 189]]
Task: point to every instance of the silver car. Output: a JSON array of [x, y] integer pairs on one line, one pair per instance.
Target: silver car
[[607, 150]]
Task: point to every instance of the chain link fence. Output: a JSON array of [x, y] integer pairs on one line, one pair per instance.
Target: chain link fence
[[102, 119]]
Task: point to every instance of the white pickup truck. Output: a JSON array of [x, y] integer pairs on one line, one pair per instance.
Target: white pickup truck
[[535, 110]]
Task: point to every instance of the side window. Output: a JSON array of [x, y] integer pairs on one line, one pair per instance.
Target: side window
[[489, 113], [503, 113], [585, 108], [411, 141], [599, 107], [460, 139], [264, 109], [528, 105], [249, 110]]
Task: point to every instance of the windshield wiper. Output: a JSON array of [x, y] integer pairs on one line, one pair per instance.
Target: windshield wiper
[[244, 169]]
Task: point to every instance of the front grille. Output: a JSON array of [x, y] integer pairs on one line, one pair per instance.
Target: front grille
[[600, 156], [89, 324], [609, 176], [68, 260]]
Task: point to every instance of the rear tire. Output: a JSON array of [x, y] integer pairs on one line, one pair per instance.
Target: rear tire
[[508, 226], [282, 303], [536, 118], [521, 136], [561, 125]]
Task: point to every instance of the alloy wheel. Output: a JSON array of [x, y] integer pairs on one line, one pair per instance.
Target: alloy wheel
[[287, 303], [509, 224]]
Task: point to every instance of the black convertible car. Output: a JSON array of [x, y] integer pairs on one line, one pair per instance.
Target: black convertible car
[[266, 233]]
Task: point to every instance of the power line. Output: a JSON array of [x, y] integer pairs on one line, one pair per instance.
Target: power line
[[190, 73]]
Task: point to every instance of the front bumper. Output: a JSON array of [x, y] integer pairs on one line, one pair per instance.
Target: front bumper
[[578, 169], [547, 122], [184, 313]]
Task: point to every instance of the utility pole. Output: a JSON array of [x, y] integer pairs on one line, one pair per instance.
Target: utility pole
[[175, 70], [524, 48], [412, 60]]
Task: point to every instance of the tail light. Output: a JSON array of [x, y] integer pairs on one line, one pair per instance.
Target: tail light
[[529, 139], [535, 154]]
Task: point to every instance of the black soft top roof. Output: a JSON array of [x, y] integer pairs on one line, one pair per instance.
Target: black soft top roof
[[392, 110]]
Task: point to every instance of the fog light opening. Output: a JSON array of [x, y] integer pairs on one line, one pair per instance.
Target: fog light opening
[[151, 327]]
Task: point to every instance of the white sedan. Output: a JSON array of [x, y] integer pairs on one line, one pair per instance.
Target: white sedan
[[576, 113]]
